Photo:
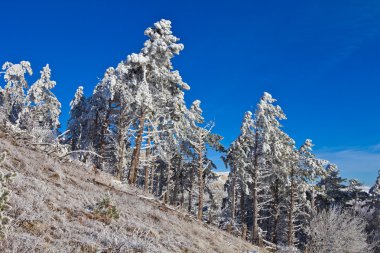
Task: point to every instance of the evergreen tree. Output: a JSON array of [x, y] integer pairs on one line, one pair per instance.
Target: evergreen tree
[[13, 95], [375, 189], [266, 123], [42, 108], [333, 188], [75, 122]]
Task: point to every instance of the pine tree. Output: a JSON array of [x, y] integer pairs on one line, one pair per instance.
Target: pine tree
[[333, 188], [42, 108], [156, 78], [13, 95], [313, 169], [266, 122], [75, 122], [240, 178], [375, 189]]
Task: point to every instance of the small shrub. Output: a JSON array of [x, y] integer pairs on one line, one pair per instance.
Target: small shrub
[[106, 210], [4, 199]]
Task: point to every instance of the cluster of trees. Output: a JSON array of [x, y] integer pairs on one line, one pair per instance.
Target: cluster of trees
[[277, 189], [36, 109], [137, 127], [138, 124]]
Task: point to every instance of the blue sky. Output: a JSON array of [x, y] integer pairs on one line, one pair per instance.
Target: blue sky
[[320, 59]]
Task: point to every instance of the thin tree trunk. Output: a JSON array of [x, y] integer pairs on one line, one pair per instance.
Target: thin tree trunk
[[120, 163], [255, 208], [291, 210], [147, 157], [152, 173], [255, 211], [168, 183], [103, 132], [276, 211], [244, 232], [136, 152], [182, 193], [312, 201], [190, 197], [233, 193], [242, 205], [200, 185], [121, 146]]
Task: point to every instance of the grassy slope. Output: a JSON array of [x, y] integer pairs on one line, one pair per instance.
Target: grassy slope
[[50, 201]]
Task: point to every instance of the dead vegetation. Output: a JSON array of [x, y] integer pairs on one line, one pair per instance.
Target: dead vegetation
[[51, 200]]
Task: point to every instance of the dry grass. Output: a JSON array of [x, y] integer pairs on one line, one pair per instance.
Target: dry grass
[[50, 210]]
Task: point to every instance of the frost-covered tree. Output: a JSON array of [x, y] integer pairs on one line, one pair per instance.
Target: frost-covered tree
[[334, 191], [266, 124], [375, 189], [42, 108], [156, 77], [199, 138], [13, 94], [240, 178], [374, 221], [337, 230], [313, 169], [75, 122]]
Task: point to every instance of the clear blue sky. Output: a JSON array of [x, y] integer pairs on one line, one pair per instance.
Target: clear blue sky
[[320, 59]]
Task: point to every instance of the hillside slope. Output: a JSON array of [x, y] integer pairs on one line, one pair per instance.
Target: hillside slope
[[51, 213]]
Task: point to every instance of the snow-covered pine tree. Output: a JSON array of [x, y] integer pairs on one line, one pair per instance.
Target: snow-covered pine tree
[[42, 108], [75, 122], [165, 85], [266, 121], [281, 159], [239, 180], [333, 188], [199, 137], [98, 119], [375, 189], [313, 169], [374, 221], [13, 94]]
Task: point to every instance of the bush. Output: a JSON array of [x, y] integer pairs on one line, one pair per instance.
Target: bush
[[337, 231], [106, 210], [4, 199]]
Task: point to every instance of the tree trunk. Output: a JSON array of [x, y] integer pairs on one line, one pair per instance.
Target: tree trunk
[[312, 201], [291, 210], [152, 173], [190, 197], [233, 193], [200, 185], [147, 157], [255, 212], [121, 145], [120, 162], [244, 232], [168, 183], [242, 206], [136, 152], [276, 211], [103, 132], [255, 207]]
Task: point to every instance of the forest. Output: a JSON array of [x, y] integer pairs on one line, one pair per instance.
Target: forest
[[137, 127]]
